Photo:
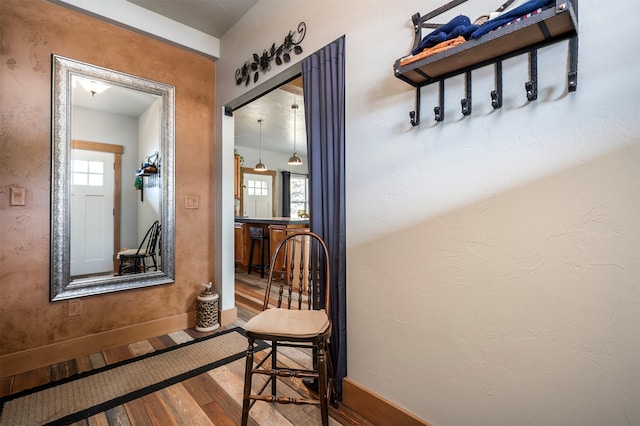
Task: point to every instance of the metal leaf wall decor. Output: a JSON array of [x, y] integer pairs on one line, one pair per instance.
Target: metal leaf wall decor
[[282, 53]]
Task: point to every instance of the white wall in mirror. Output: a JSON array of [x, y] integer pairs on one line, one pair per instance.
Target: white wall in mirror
[[140, 138], [100, 126], [148, 144]]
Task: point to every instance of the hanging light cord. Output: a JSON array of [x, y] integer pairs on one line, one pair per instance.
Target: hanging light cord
[[295, 114], [260, 121]]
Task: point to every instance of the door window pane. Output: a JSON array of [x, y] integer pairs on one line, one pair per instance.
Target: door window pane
[[257, 188], [88, 173]]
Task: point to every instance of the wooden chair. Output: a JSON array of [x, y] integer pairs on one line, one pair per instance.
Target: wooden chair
[[134, 261], [294, 317]]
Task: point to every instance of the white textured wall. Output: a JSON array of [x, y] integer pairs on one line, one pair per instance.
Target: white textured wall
[[496, 281]]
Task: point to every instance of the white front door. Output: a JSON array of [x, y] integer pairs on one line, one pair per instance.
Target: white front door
[[92, 196], [258, 197]]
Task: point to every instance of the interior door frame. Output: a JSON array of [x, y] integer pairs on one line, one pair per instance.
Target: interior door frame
[[117, 151], [224, 257]]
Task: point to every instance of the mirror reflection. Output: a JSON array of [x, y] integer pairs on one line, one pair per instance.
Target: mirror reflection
[[112, 203]]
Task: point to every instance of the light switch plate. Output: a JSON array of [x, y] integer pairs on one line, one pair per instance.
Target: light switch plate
[[191, 202], [18, 197]]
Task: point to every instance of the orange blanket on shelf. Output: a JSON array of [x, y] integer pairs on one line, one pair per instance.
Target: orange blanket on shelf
[[441, 47]]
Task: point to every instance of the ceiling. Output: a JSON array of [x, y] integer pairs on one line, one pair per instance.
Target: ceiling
[[275, 110], [213, 17], [116, 99]]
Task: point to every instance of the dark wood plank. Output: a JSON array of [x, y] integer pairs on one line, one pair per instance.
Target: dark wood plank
[[167, 341], [157, 343], [149, 410], [117, 416], [63, 370]]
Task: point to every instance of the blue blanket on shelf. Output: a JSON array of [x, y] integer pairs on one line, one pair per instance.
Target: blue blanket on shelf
[[509, 16], [459, 26]]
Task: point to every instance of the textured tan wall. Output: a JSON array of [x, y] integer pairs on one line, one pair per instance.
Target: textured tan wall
[[32, 30]]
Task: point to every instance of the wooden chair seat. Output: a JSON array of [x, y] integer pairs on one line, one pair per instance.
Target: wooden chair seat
[[288, 323]]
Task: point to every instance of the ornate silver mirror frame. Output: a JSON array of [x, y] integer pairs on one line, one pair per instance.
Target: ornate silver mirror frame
[[62, 284]]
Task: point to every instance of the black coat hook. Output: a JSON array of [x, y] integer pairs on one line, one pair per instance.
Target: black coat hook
[[439, 110], [414, 116], [531, 86], [496, 95], [466, 102], [572, 77]]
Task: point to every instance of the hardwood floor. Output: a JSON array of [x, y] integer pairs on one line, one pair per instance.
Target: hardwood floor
[[212, 398]]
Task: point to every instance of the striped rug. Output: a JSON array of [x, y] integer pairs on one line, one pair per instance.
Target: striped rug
[[83, 395]]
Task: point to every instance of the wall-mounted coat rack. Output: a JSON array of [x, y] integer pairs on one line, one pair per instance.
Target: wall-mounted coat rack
[[556, 21], [150, 168]]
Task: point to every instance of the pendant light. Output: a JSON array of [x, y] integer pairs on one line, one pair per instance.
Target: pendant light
[[260, 167], [294, 160], [92, 86]]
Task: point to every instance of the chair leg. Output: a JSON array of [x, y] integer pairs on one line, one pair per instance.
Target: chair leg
[[274, 367], [246, 401], [262, 258], [322, 384], [332, 394], [251, 255]]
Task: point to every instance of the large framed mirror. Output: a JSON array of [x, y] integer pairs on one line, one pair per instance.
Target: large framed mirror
[[112, 188]]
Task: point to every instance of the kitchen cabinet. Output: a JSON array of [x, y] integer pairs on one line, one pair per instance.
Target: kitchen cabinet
[[276, 227], [240, 251], [277, 233]]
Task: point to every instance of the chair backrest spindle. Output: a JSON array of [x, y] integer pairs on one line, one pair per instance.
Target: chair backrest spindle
[[300, 270]]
